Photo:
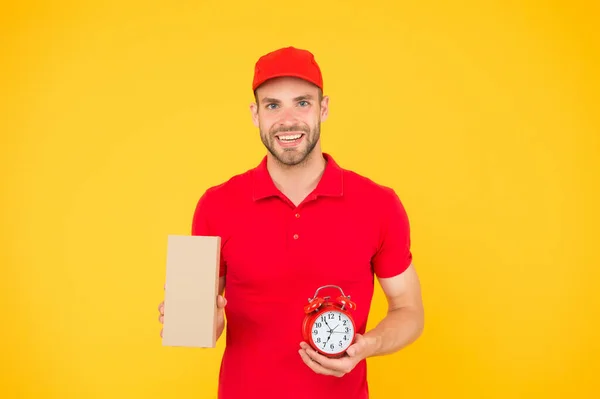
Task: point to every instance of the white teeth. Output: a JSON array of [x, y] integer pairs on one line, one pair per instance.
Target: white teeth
[[290, 138]]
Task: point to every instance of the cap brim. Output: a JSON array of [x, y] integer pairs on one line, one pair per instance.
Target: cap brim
[[286, 74]]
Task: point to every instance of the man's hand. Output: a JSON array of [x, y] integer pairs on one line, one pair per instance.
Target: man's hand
[[361, 349], [221, 302]]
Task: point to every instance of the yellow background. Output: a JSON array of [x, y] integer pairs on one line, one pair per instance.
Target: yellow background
[[484, 118]]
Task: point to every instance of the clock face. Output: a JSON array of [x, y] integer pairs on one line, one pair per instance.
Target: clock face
[[332, 332]]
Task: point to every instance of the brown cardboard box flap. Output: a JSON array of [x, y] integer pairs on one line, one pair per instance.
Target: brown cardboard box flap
[[191, 289]]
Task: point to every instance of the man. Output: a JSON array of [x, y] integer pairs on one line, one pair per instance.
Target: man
[[297, 222]]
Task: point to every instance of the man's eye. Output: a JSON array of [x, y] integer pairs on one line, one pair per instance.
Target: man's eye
[[271, 106], [303, 103]]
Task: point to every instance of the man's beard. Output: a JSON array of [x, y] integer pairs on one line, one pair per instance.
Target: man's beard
[[292, 156]]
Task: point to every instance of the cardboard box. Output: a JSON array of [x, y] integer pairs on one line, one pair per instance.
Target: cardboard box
[[191, 289]]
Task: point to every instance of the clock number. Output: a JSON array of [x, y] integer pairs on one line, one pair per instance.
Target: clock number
[[323, 318], [332, 346], [347, 329], [315, 332], [318, 325], [340, 343], [331, 316], [319, 340], [345, 321]]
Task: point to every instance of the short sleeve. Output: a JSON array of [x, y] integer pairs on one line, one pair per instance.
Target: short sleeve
[[393, 255], [202, 225]]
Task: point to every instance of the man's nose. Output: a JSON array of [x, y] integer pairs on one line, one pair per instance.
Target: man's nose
[[288, 116]]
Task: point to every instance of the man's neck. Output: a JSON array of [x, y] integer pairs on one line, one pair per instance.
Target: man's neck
[[297, 182]]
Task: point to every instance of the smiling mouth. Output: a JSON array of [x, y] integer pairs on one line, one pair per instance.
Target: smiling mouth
[[289, 138]]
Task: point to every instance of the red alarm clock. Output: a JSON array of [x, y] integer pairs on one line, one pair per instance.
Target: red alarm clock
[[328, 324]]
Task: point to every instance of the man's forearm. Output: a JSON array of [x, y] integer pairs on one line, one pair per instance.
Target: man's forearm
[[399, 328]]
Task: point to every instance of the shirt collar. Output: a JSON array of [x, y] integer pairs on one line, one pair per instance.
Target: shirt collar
[[331, 183]]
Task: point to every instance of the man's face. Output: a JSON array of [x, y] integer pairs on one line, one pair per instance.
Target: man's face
[[289, 113]]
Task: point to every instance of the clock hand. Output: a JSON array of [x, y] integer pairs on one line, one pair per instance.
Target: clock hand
[[328, 338], [331, 332]]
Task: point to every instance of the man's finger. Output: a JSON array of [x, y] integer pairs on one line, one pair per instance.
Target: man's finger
[[316, 367], [359, 345], [331, 364], [355, 349], [221, 302], [334, 365]]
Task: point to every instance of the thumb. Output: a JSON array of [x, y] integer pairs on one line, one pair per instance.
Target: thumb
[[357, 347], [221, 302]]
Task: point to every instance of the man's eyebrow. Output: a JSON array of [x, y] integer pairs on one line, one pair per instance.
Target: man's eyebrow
[[270, 100], [304, 97]]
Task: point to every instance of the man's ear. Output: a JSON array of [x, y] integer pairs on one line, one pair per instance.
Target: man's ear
[[324, 108], [254, 112]]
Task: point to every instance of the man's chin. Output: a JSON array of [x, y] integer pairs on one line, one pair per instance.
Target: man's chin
[[290, 157]]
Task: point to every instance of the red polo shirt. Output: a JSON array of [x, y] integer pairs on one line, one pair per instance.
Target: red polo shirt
[[275, 255]]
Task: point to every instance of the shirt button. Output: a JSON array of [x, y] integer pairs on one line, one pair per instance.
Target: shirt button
[[295, 236], [297, 215]]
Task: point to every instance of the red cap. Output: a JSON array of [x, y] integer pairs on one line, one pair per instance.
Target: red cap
[[288, 61]]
